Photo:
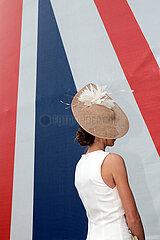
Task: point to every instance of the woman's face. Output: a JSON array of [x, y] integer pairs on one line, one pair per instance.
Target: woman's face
[[109, 142], [103, 142]]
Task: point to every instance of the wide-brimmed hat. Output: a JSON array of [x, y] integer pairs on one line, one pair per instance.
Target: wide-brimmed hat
[[98, 114]]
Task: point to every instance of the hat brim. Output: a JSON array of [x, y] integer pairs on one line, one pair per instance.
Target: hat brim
[[93, 119]]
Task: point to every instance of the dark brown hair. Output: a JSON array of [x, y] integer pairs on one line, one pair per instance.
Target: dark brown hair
[[84, 138]]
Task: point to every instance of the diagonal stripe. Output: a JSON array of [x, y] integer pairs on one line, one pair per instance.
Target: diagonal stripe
[[147, 16], [53, 190], [136, 59], [10, 37]]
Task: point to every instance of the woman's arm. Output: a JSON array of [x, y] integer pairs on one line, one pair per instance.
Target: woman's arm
[[120, 177]]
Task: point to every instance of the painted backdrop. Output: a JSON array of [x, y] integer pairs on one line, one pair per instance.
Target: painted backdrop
[[48, 51]]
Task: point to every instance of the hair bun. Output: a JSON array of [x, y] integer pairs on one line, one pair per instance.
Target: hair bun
[[84, 138]]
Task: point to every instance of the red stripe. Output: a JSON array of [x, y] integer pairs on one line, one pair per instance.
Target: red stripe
[[10, 36], [136, 59]]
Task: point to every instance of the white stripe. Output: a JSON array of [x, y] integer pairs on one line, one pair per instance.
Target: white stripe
[[23, 183], [147, 16], [93, 59]]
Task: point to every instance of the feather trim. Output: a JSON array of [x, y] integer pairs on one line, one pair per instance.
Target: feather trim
[[96, 96]]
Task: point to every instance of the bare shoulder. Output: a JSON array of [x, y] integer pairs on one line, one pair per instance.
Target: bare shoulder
[[115, 156], [116, 165], [114, 160]]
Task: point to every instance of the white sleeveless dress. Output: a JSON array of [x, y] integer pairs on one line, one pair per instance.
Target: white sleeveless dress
[[104, 210]]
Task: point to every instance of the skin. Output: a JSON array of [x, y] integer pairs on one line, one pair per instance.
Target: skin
[[114, 173]]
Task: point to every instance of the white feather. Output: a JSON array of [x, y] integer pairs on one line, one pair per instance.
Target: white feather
[[96, 96]]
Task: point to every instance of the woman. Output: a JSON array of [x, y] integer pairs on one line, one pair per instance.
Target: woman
[[101, 177]]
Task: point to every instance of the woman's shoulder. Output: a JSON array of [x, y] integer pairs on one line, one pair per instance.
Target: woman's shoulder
[[114, 160], [114, 156]]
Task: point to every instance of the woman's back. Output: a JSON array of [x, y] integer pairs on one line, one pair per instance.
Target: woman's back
[[102, 203]]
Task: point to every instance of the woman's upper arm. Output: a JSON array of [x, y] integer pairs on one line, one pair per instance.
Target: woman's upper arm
[[119, 173]]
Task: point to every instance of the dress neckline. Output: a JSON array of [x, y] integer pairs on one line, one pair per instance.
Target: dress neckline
[[92, 152]]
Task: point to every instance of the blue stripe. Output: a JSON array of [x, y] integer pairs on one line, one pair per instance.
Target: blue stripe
[[58, 212]]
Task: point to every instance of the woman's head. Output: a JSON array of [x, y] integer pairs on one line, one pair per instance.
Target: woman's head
[[86, 139]]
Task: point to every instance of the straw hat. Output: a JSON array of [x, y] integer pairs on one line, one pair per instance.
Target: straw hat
[[98, 113]]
